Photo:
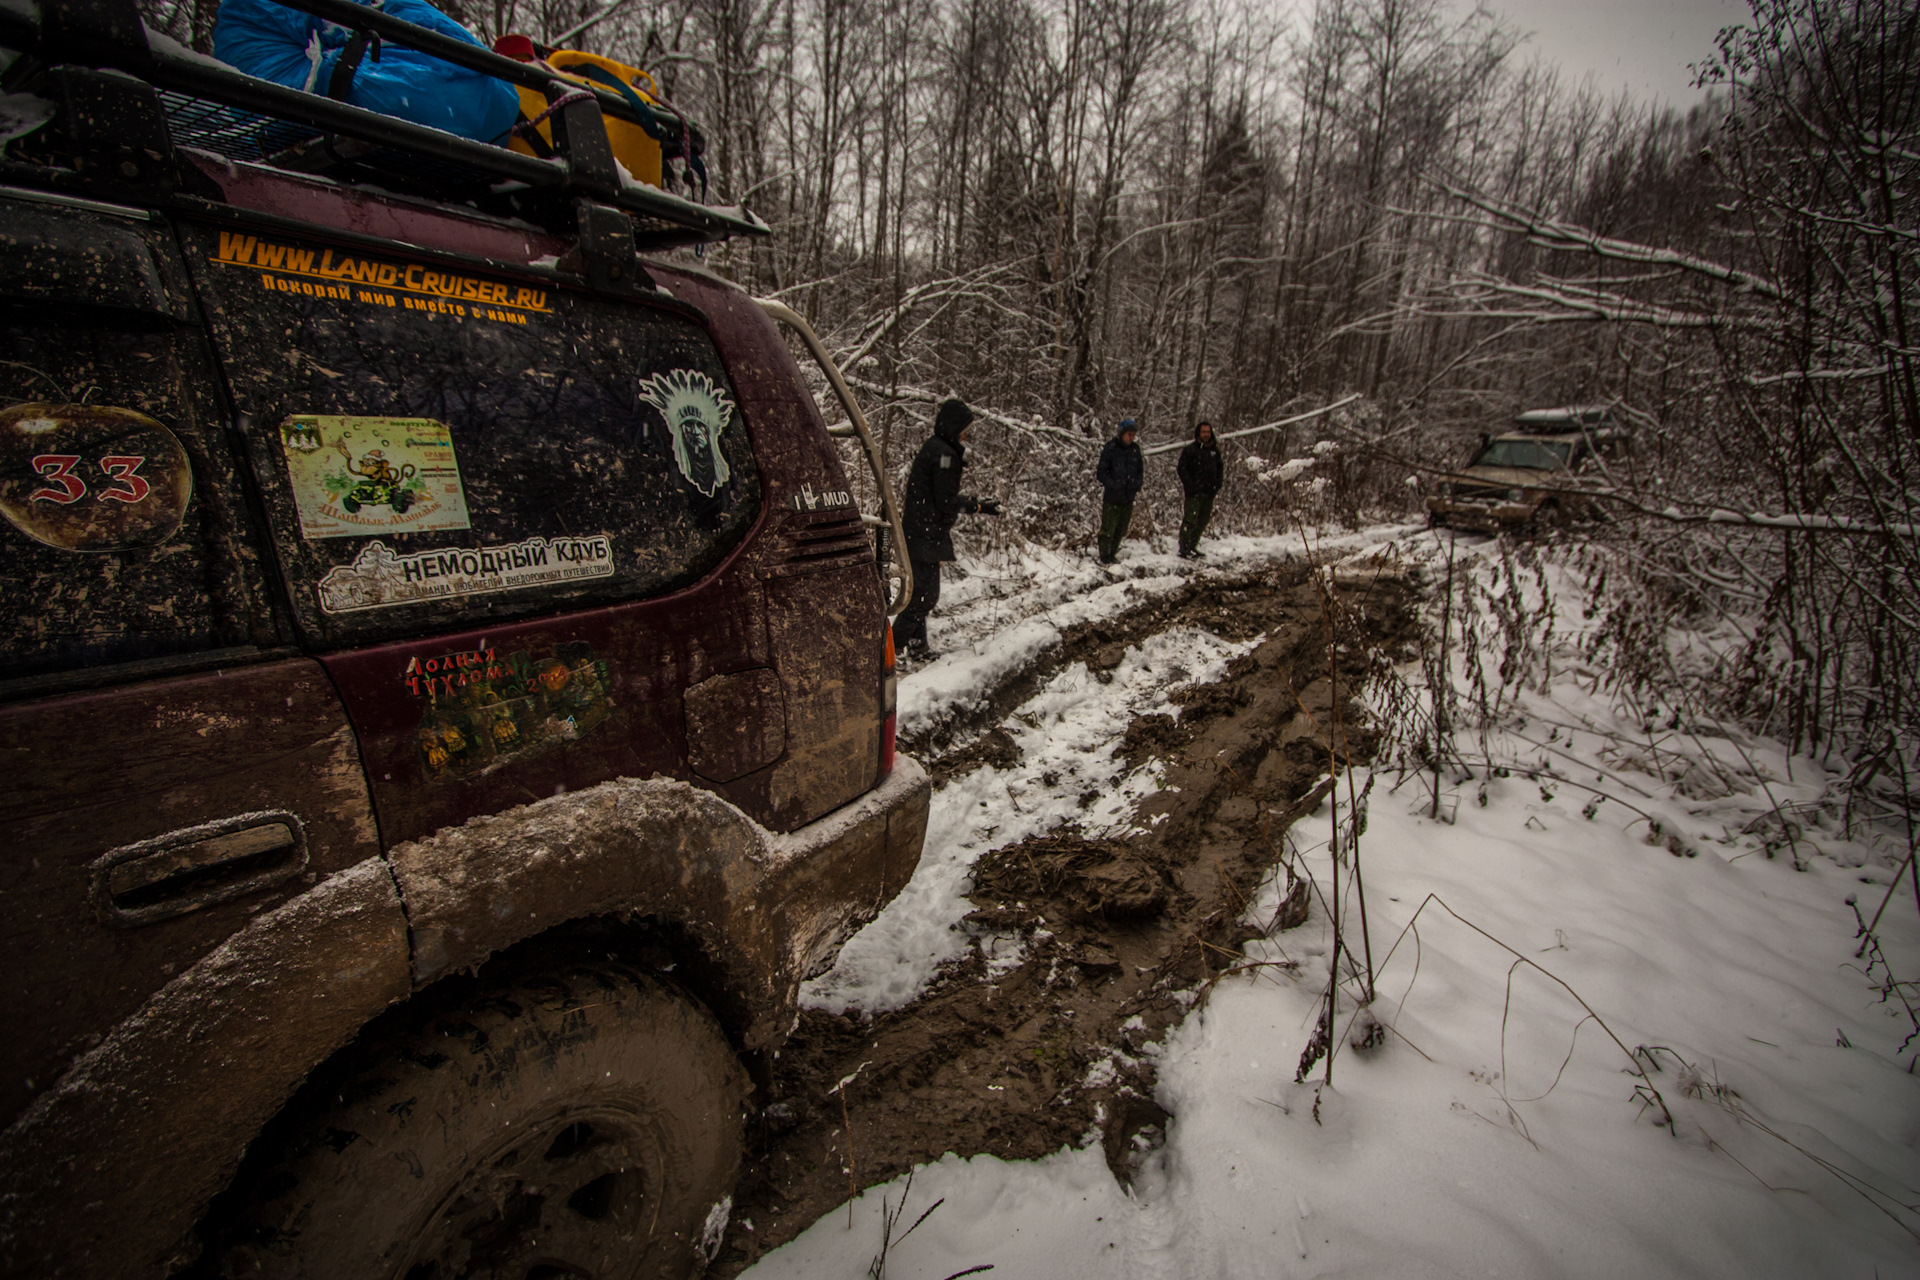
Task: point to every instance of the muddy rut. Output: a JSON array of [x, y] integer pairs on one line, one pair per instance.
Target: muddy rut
[[1119, 938]]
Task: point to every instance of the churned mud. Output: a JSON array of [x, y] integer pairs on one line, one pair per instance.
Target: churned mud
[[1089, 948]]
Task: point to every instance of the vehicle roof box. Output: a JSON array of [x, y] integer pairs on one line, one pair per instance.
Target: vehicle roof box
[[1569, 421]]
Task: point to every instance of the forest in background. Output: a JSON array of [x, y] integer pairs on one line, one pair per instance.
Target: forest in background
[[1072, 211]]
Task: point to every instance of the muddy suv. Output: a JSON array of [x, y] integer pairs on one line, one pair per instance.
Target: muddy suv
[[446, 703], [1532, 478]]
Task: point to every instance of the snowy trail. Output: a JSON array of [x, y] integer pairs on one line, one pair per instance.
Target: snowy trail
[[1009, 610], [1068, 771], [1497, 1132]]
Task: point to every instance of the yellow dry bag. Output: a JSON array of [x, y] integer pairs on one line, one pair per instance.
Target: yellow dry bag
[[637, 149]]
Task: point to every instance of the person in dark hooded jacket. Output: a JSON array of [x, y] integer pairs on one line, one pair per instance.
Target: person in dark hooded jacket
[[1200, 475], [933, 503], [1120, 473]]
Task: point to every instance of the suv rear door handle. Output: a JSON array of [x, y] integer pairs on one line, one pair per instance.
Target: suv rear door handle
[[197, 867]]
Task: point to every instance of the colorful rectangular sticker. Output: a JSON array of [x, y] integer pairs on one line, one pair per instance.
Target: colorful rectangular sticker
[[379, 577], [355, 476], [482, 708]]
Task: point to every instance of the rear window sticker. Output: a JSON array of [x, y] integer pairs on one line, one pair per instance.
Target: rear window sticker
[[315, 272], [380, 578], [91, 477], [354, 476], [484, 708], [697, 411]]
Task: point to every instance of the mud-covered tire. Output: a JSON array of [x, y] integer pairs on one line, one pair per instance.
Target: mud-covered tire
[[580, 1124]]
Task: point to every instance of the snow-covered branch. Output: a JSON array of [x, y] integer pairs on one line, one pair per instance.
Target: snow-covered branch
[[944, 289], [920, 395], [1265, 426], [1567, 237]]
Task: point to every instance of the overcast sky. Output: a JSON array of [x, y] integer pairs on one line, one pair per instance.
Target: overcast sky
[[1641, 45]]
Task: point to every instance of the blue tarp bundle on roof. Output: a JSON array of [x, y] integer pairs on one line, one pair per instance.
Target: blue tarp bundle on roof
[[300, 51]]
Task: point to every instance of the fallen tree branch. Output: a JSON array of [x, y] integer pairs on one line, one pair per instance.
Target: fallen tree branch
[[1269, 426]]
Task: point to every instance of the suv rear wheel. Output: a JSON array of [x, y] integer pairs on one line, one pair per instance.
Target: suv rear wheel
[[581, 1125]]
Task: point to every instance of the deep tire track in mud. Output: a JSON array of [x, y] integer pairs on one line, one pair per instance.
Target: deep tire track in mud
[[1121, 937]]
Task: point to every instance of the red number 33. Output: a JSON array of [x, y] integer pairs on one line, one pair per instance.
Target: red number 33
[[123, 471]]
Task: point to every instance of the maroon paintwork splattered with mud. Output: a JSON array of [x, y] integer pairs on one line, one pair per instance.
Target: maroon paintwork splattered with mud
[[196, 734]]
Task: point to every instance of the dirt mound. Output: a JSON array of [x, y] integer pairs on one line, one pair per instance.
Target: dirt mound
[[1088, 948], [995, 747], [1102, 882]]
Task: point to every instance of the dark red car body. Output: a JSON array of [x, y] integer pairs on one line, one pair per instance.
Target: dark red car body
[[230, 814]]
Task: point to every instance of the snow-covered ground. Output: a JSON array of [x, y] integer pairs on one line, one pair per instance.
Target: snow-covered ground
[[1502, 1128], [1004, 610]]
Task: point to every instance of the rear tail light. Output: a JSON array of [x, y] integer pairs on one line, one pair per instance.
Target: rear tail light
[[890, 701]]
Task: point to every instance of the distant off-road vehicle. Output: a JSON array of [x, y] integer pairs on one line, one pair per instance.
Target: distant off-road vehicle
[[1532, 478], [446, 696]]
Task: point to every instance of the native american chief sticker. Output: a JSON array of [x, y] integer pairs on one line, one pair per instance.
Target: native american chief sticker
[[697, 411]]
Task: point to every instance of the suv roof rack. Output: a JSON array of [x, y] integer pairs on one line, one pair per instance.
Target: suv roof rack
[[1553, 421], [205, 104]]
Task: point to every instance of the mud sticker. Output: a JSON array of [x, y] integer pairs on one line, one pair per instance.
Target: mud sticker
[[408, 286], [697, 412], [485, 708], [805, 499], [380, 578], [91, 477], [355, 476]]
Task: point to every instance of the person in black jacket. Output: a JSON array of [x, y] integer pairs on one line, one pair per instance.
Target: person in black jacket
[[934, 502], [1200, 475], [1120, 472]]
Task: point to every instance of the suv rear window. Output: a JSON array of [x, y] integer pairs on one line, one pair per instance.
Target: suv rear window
[[439, 448]]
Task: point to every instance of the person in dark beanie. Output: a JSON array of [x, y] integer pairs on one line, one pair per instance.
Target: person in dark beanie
[[934, 502], [1200, 475], [1120, 472]]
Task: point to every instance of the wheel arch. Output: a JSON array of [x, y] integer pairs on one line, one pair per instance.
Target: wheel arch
[[670, 877], [679, 866], [189, 1079]]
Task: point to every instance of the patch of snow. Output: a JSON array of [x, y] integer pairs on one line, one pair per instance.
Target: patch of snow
[[1067, 734], [713, 1233], [1037, 1218]]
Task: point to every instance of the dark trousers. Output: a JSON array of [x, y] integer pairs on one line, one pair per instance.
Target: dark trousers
[[1193, 520], [1114, 519], [911, 626]]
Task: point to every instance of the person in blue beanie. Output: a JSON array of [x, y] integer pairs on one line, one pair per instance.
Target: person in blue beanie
[[1120, 472], [300, 51]]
